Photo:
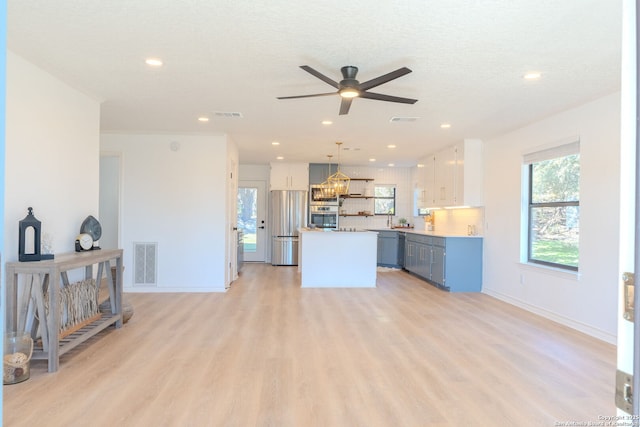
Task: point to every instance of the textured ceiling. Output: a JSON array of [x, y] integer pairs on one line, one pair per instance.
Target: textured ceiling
[[467, 56]]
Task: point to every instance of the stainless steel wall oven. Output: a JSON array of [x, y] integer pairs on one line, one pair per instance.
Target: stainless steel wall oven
[[323, 216]]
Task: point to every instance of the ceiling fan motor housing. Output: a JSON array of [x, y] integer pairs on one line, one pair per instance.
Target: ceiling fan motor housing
[[349, 73]]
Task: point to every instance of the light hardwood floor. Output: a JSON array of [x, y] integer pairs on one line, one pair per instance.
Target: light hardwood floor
[[268, 353]]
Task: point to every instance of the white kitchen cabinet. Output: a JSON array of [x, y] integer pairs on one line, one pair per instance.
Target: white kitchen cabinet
[[423, 183], [453, 176], [289, 176], [445, 177], [429, 181], [469, 173]]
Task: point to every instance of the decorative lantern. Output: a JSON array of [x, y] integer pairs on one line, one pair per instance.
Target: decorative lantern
[[339, 182], [30, 228]]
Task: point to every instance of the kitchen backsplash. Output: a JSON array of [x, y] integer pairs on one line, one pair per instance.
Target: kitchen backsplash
[[457, 221]]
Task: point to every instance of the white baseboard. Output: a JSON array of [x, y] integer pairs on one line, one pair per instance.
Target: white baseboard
[[579, 326]]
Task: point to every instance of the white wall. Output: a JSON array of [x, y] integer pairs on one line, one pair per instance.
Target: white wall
[[110, 187], [177, 199], [52, 155], [587, 301], [255, 173]]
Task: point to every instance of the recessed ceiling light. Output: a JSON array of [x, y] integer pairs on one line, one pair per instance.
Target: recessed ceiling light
[[420, 165], [327, 122], [391, 165], [445, 125], [153, 62], [532, 75], [391, 146], [275, 143], [279, 158], [372, 160], [203, 119]]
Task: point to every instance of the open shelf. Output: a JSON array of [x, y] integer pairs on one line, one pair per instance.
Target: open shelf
[[355, 196], [359, 194], [81, 335]]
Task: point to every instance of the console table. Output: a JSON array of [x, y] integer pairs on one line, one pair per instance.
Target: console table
[[51, 275]]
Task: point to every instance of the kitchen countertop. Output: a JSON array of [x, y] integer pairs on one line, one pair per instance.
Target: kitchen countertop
[[333, 230], [424, 232]]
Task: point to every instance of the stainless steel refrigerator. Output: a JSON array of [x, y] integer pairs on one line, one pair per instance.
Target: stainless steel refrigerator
[[288, 213]]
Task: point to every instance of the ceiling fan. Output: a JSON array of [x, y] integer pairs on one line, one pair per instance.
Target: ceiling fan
[[350, 88]]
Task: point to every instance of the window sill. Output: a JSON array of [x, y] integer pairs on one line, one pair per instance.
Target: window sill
[[552, 271]]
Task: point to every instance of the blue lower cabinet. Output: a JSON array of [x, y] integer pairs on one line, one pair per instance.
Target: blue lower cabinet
[[401, 238], [390, 251], [450, 263], [438, 265], [417, 254]]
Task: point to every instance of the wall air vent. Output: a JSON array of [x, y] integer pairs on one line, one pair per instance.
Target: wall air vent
[[145, 260], [227, 114], [403, 119]]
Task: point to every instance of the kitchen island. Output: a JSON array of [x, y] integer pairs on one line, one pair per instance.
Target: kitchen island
[[337, 259]]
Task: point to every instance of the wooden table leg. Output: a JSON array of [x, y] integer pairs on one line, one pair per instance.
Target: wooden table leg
[[118, 290], [52, 319], [11, 298]]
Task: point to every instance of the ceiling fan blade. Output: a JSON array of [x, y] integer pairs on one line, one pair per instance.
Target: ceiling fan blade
[[345, 105], [381, 97], [307, 96], [384, 78], [320, 76]]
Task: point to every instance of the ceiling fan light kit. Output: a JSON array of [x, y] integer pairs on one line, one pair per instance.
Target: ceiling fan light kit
[[349, 93], [350, 88]]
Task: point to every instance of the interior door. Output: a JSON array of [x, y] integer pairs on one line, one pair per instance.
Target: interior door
[[252, 210], [628, 354]]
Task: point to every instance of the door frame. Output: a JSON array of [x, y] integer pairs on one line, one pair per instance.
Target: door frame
[[628, 340]]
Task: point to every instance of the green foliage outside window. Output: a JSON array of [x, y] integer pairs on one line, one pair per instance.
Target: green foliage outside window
[[554, 211], [384, 200]]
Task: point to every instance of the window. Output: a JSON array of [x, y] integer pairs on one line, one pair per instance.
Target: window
[[554, 206], [384, 201]]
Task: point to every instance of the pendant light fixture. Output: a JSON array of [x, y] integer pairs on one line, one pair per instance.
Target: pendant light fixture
[[325, 188], [339, 182]]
